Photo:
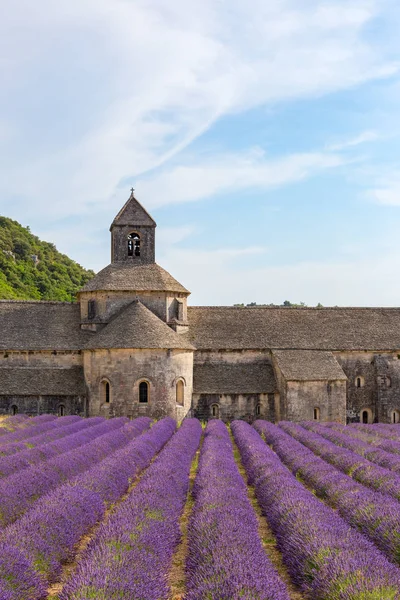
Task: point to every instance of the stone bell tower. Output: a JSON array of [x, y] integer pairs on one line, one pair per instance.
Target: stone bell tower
[[133, 235]]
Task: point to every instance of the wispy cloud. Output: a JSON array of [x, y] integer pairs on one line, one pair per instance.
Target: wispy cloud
[[362, 138], [114, 88]]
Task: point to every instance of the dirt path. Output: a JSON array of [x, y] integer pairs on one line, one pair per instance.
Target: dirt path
[[266, 534], [177, 578], [70, 567]]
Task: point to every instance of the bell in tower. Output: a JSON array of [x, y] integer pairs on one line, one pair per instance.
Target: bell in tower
[[133, 234]]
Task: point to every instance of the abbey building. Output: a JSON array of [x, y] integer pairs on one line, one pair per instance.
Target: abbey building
[[132, 346]]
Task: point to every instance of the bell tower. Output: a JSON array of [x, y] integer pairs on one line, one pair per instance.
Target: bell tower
[[133, 233]]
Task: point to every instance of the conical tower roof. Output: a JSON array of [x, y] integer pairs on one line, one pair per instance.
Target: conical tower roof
[[138, 328], [133, 213]]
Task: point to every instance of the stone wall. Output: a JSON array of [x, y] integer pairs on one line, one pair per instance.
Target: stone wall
[[38, 405], [119, 244], [329, 397], [47, 359], [163, 304], [125, 369], [234, 406]]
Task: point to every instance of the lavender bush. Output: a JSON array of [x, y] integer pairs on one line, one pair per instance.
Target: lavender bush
[[69, 512], [353, 464], [325, 556], [21, 490], [38, 426], [47, 437], [370, 452], [226, 558], [377, 516], [131, 554]]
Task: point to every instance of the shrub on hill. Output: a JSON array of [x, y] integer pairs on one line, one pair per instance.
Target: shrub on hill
[[31, 269]]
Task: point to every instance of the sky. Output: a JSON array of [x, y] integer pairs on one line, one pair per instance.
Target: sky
[[262, 135]]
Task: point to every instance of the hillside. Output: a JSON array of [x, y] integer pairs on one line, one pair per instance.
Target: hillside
[[31, 269]]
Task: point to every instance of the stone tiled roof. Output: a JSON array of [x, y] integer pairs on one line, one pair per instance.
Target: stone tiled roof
[[122, 276], [308, 365], [40, 326], [21, 381], [133, 212], [303, 328], [137, 327], [225, 378]]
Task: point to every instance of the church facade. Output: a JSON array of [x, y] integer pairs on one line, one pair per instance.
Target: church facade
[[132, 346]]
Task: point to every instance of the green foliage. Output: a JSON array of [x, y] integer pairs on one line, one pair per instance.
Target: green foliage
[[286, 304], [52, 276]]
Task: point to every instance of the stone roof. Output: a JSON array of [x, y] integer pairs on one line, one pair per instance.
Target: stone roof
[[133, 213], [40, 326], [303, 328], [25, 381], [121, 276], [226, 378], [137, 327], [308, 365]]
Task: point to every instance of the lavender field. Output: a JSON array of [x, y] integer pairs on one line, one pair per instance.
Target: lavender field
[[140, 510]]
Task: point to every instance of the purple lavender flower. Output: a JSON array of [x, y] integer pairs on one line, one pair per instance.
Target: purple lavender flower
[[352, 463], [325, 556], [20, 491], [45, 537], [226, 558], [131, 554], [374, 514]]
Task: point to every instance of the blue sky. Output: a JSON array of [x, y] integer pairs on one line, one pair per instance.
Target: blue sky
[[264, 138]]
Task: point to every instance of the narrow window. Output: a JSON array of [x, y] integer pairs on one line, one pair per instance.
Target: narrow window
[[359, 382], [365, 417], [395, 417], [105, 392], [61, 410], [133, 244], [388, 382], [258, 410], [316, 414], [215, 411], [14, 409], [143, 392], [91, 309], [180, 393]]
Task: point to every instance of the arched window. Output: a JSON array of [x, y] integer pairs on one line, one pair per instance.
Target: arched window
[[359, 382], [395, 416], [14, 409], [258, 410], [180, 392], [133, 244], [316, 414], [143, 392], [61, 410], [105, 392], [91, 309], [215, 411]]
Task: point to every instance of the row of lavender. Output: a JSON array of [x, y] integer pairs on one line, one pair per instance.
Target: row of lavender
[[325, 556], [21, 490], [131, 555], [377, 516], [31, 557], [226, 557]]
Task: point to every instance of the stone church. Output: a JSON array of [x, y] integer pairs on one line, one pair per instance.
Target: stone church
[[131, 346]]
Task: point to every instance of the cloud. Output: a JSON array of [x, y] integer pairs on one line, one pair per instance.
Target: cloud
[[388, 194], [231, 172], [362, 138], [216, 280], [102, 91]]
